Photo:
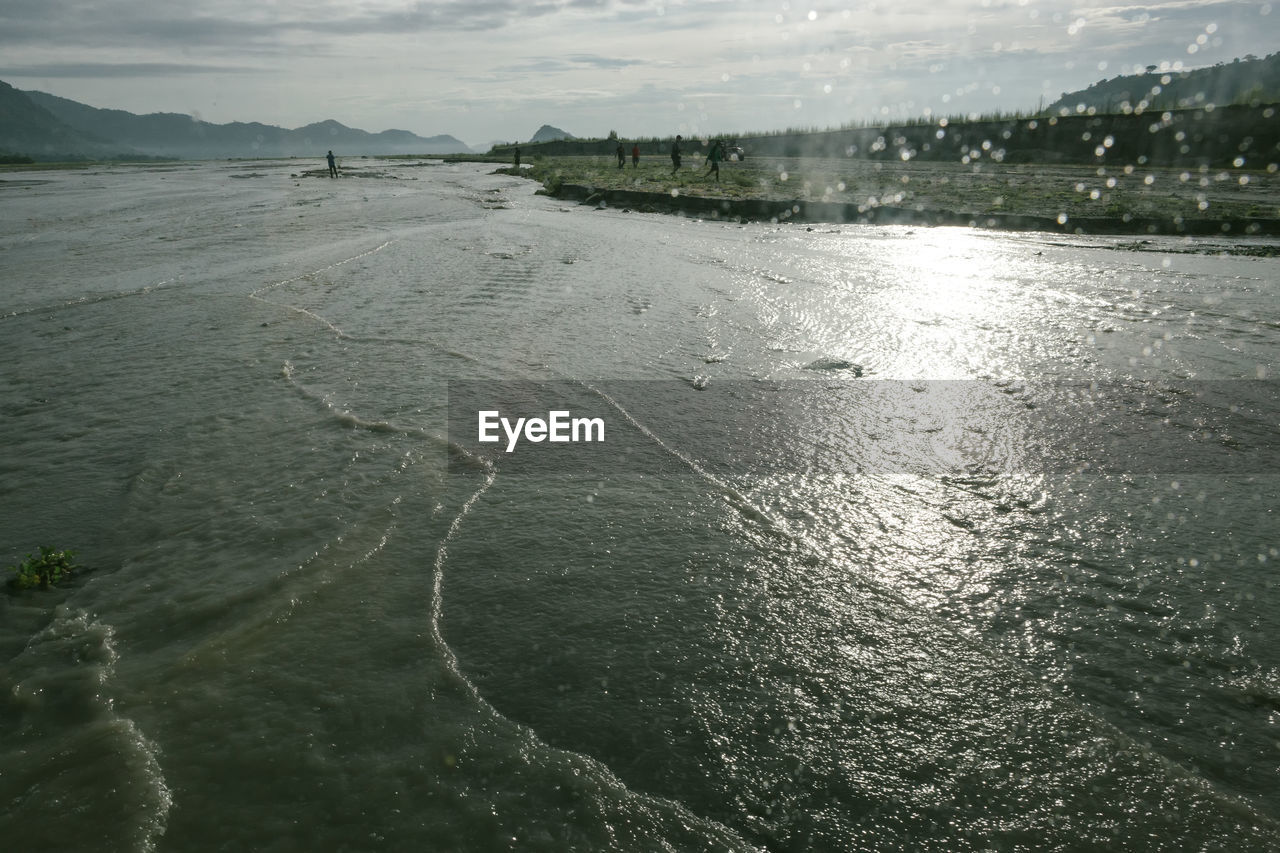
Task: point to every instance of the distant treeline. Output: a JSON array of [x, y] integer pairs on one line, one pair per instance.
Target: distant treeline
[[64, 157], [1245, 136]]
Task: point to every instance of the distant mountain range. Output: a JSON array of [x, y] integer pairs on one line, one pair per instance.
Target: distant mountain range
[[46, 127], [1242, 82], [28, 129]]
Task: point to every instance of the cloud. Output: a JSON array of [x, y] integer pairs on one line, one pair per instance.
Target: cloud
[[474, 68], [602, 61], [577, 62], [233, 23], [122, 69], [420, 17], [132, 23]]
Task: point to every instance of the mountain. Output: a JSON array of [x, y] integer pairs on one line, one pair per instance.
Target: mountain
[[1246, 81], [27, 128], [185, 137], [547, 133]]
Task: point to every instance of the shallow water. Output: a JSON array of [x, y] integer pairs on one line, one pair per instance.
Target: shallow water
[[1000, 576]]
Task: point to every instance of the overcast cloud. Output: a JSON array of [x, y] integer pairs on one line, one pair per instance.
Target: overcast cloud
[[485, 70]]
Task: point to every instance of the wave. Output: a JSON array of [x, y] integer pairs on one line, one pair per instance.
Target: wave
[[657, 809], [258, 294], [346, 417], [81, 769], [94, 299]]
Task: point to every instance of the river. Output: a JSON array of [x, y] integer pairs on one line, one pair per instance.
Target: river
[[897, 538]]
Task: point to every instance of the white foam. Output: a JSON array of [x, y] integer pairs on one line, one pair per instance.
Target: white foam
[[65, 670], [644, 801], [257, 294]]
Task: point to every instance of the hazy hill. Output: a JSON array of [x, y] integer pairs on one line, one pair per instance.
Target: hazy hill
[[184, 137], [27, 128], [1245, 81], [547, 133]]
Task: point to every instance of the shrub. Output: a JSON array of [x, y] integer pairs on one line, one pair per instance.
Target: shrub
[[50, 568]]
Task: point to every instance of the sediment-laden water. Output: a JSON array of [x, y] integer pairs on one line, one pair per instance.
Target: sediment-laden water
[[899, 539]]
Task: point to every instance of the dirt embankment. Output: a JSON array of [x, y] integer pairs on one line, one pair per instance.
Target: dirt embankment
[[1066, 199]]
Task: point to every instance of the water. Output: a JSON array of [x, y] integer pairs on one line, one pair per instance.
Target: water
[[854, 624]]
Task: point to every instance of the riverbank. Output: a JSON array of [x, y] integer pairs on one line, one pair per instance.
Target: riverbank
[[1063, 198]]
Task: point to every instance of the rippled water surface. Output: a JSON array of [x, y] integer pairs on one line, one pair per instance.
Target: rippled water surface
[[901, 539]]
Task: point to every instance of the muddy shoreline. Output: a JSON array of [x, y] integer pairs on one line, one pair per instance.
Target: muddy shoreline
[[755, 210], [1059, 199]]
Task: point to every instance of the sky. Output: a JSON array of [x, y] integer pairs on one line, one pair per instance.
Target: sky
[[489, 70]]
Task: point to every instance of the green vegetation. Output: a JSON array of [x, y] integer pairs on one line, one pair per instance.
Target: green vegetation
[[1252, 82], [977, 190], [26, 164], [44, 167], [1167, 116], [48, 569]]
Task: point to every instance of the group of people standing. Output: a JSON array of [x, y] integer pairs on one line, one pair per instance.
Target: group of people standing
[[622, 155], [714, 156]]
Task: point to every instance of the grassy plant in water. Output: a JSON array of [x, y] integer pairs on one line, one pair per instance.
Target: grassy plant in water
[[48, 569]]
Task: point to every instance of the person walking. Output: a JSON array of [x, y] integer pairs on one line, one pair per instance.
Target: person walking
[[714, 156], [622, 155], [675, 154], [333, 166], [635, 156]]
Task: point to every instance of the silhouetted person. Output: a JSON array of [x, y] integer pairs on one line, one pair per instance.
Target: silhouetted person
[[713, 157], [517, 157], [622, 155], [675, 154], [333, 166], [635, 155]]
